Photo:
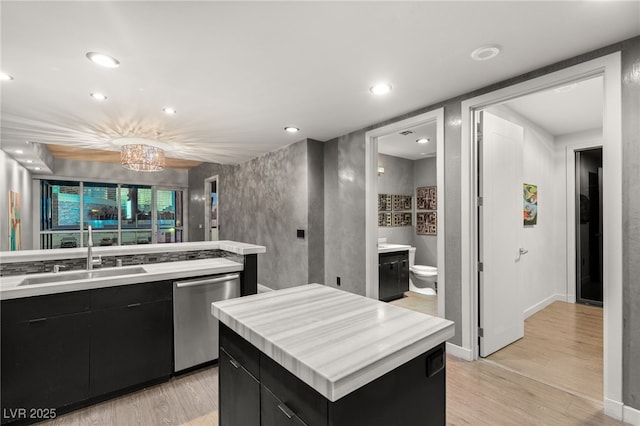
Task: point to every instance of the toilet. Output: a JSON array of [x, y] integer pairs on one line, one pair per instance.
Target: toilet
[[422, 279]]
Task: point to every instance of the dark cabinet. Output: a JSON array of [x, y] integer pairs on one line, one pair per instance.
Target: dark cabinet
[[412, 394], [49, 355], [132, 336], [393, 275], [66, 348], [236, 380]]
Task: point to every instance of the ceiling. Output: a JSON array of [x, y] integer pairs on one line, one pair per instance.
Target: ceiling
[[405, 144], [239, 72]]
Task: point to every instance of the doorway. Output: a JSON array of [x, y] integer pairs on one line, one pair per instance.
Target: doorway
[[589, 226], [371, 194], [608, 67], [211, 208]]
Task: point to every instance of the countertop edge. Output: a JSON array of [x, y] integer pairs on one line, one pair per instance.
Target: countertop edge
[[74, 253]]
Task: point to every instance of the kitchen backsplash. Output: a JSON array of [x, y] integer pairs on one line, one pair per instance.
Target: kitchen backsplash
[[31, 267]]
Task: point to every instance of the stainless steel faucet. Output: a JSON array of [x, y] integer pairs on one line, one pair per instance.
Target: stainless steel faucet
[[90, 259]]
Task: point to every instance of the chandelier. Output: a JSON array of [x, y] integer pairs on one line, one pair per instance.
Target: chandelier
[[142, 158]]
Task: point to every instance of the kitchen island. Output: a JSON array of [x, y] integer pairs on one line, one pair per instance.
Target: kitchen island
[[317, 355]]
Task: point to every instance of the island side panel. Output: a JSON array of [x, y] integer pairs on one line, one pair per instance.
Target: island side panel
[[249, 280]]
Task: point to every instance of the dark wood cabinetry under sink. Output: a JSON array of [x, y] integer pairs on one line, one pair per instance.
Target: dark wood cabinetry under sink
[[393, 278]]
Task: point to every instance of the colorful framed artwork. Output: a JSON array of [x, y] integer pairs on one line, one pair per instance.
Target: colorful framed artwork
[[15, 234], [530, 207]]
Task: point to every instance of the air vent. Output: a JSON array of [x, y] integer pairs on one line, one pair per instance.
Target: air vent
[[406, 132]]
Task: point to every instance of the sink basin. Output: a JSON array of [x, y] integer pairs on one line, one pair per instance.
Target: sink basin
[[82, 275]]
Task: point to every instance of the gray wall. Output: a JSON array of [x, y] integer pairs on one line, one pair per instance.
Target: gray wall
[[265, 201], [631, 220], [424, 174], [344, 203], [18, 179], [396, 180]]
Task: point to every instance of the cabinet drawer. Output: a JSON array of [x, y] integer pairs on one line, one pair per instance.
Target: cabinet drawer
[[299, 397], [240, 349], [45, 306], [275, 413], [125, 295], [239, 393]]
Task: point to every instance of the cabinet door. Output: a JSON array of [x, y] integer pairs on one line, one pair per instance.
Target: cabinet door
[[388, 280], [130, 345], [239, 393], [403, 276], [45, 362], [275, 412]]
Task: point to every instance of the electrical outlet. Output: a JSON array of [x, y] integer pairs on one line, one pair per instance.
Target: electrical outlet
[[338, 280]]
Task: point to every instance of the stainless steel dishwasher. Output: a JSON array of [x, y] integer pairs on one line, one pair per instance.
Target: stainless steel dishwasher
[[195, 330]]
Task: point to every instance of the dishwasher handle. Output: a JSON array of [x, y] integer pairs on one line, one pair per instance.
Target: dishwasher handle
[[182, 284]]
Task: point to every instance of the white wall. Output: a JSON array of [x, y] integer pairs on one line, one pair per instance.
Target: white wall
[[18, 179], [543, 270]]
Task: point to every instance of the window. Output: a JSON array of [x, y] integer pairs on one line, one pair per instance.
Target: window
[[119, 214]]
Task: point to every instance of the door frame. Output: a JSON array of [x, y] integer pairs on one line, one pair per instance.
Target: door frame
[[207, 205], [371, 199], [609, 67]]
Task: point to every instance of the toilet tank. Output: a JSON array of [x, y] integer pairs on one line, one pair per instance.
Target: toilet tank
[[412, 256]]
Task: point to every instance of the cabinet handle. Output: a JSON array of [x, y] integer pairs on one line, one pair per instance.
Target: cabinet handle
[[134, 305], [285, 410], [37, 320], [235, 364]]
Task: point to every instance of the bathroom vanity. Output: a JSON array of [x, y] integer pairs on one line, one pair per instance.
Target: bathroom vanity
[[393, 271], [316, 355]]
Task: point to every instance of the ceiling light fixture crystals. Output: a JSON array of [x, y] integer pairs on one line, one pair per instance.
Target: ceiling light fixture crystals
[[142, 158], [103, 60]]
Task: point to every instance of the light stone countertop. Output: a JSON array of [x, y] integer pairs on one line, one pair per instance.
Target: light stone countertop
[[10, 288], [71, 253], [333, 340], [390, 248]]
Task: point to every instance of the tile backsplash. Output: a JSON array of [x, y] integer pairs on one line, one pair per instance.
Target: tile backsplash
[[23, 268]]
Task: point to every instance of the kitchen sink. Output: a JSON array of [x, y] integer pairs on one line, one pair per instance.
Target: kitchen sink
[[82, 275]]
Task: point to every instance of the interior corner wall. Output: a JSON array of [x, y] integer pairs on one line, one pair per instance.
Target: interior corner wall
[[545, 263], [265, 201], [315, 229], [17, 179], [425, 174], [344, 222], [397, 179], [631, 221]]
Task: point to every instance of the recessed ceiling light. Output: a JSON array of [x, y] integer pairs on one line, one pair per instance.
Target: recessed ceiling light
[[19, 151], [380, 89], [98, 96], [169, 110], [29, 161], [36, 168], [5, 77], [485, 53], [292, 129], [103, 60], [422, 140]]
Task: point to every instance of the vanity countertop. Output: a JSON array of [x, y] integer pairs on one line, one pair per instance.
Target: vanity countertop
[[390, 248], [10, 287], [333, 340]]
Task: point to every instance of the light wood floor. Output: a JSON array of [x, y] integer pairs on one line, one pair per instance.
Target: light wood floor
[[478, 393], [418, 302], [562, 347]]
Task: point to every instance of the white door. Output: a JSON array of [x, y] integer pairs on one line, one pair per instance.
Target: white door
[[500, 221]]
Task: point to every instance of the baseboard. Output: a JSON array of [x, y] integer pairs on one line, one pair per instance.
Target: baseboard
[[613, 408], [263, 288], [459, 352], [543, 304], [631, 415]]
